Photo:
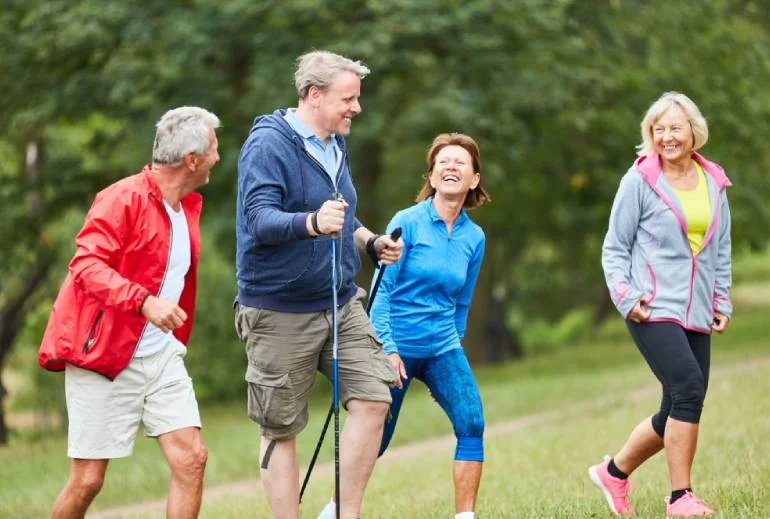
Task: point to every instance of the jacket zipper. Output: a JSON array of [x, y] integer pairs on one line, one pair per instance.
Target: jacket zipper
[[683, 226], [323, 170], [165, 271], [90, 340], [334, 191]]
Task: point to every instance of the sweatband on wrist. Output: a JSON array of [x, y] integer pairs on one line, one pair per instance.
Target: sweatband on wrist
[[314, 222], [370, 251]]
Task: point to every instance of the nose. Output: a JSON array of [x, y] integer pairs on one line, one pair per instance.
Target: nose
[[356, 108]]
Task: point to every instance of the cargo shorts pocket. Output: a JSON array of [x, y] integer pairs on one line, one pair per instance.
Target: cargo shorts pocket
[[381, 365], [270, 400]]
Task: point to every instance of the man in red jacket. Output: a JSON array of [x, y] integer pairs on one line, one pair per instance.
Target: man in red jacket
[[124, 314]]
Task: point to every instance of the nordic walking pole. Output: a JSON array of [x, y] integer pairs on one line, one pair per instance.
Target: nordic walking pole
[[335, 377], [395, 235]]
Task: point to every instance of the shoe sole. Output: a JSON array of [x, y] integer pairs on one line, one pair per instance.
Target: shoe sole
[[598, 482]]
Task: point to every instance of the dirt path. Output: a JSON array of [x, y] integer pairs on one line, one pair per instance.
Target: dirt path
[[414, 450]]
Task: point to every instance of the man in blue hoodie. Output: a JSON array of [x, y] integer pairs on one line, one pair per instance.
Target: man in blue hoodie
[[295, 193]]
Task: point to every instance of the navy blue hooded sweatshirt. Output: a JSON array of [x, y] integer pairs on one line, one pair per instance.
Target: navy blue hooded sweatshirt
[[279, 265]]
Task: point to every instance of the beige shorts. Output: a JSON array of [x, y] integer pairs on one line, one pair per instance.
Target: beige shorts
[[104, 415], [285, 350]]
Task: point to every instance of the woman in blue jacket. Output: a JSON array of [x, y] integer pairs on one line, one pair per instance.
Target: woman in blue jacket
[[421, 309], [667, 262]]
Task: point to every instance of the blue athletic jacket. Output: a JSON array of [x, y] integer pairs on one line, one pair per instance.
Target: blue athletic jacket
[[279, 265], [646, 249], [421, 308]]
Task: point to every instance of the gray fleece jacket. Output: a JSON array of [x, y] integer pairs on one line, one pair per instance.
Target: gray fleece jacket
[[646, 250]]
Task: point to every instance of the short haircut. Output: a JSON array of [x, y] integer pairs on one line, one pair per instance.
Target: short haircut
[[319, 68], [181, 131], [700, 130], [476, 196]]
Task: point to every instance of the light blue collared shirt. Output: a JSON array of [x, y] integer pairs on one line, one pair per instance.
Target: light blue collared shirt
[[329, 156]]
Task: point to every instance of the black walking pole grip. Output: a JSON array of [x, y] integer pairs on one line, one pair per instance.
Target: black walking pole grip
[[395, 235]]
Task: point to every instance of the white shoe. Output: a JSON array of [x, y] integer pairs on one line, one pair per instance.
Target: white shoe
[[328, 512]]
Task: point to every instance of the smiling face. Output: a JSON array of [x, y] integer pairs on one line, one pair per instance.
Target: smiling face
[[452, 175], [672, 136], [336, 105]]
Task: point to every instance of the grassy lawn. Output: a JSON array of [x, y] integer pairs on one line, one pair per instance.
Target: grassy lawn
[[536, 471]]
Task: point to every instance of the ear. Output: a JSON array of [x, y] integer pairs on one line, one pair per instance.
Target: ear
[[476, 180], [430, 179], [314, 96], [190, 160]]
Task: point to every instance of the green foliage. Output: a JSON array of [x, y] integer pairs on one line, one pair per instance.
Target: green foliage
[[553, 91], [215, 356], [542, 336]]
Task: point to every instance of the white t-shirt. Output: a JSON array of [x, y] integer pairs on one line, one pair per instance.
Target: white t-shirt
[[153, 339]]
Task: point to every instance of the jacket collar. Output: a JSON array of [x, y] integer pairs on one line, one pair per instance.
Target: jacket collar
[[192, 201], [649, 167], [437, 218]]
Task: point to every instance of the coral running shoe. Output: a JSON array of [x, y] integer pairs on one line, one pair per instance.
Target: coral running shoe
[[615, 490], [689, 505]]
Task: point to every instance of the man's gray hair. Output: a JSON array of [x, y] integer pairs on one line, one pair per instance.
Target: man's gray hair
[[181, 131], [319, 68]]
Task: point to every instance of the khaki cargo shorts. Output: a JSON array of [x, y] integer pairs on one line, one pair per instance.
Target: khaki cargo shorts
[[285, 350]]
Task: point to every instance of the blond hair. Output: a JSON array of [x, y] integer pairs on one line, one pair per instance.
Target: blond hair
[[700, 130], [319, 68]]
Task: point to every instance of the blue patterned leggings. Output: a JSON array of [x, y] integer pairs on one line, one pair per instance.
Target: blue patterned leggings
[[451, 382]]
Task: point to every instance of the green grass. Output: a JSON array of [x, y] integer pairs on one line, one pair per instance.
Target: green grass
[[536, 471], [751, 267]]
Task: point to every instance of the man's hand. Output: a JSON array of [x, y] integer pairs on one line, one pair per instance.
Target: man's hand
[[163, 313], [720, 322], [388, 251], [640, 313], [398, 365], [331, 216]]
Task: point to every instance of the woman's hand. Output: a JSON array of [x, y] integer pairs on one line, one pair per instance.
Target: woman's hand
[[720, 322], [388, 251], [398, 365], [640, 313]]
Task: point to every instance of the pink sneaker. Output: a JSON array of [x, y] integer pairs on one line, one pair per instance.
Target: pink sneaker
[[689, 505], [615, 490]]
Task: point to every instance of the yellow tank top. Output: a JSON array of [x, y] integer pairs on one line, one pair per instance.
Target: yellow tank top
[[697, 210]]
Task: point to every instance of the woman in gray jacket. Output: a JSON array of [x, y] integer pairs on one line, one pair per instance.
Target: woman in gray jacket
[[666, 259]]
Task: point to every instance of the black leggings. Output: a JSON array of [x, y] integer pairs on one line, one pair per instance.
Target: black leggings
[[680, 360]]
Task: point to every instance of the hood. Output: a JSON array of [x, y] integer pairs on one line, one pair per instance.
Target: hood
[[276, 122], [649, 167], [273, 121]]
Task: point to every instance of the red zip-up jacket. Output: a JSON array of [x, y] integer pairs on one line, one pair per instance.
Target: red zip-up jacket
[[121, 258]]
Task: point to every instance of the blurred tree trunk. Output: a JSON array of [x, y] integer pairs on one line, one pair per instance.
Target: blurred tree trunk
[[12, 315], [603, 308], [18, 293], [488, 338]]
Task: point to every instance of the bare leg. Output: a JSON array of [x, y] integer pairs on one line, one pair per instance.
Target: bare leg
[[281, 478], [467, 475], [85, 482], [642, 444], [681, 441], [186, 456], [359, 445]]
